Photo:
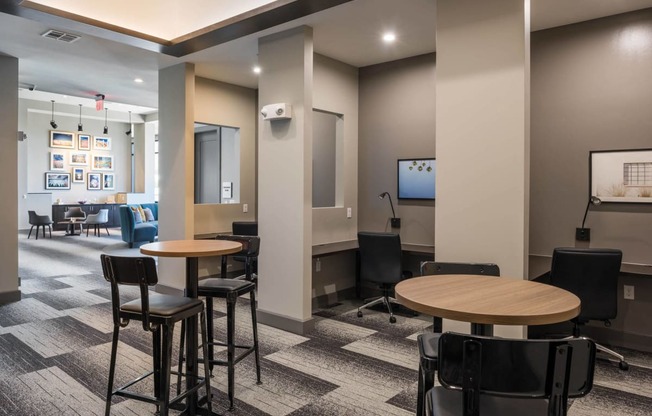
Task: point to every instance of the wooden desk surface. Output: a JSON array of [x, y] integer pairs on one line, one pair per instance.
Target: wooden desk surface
[[488, 300], [191, 248]]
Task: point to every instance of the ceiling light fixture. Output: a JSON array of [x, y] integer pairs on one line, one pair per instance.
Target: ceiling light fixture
[[138, 80], [389, 37], [80, 127], [106, 114], [128, 132], [52, 123], [256, 69]]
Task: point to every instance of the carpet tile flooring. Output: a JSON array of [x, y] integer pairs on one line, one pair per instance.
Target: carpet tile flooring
[[55, 346]]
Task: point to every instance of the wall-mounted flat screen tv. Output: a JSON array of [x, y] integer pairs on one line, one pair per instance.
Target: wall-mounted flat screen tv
[[416, 178]]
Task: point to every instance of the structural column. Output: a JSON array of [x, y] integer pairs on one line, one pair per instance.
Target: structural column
[[285, 181], [176, 165], [9, 184], [482, 125]]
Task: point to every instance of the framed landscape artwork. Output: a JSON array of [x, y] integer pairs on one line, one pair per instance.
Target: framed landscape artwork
[[57, 161], [79, 159], [108, 181], [83, 141], [621, 175], [101, 143], [78, 175], [94, 182], [62, 139], [56, 180], [102, 162]]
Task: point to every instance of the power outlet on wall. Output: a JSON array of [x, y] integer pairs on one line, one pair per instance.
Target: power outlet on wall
[[245, 207], [628, 292]]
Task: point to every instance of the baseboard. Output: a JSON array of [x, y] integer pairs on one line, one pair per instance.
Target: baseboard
[[328, 299], [285, 323], [10, 297]]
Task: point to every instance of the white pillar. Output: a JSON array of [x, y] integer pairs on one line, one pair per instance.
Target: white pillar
[[482, 125], [176, 165], [9, 184], [285, 182]]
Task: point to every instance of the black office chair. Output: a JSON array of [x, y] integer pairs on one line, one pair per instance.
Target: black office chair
[[380, 263], [592, 275], [158, 314], [498, 377], [39, 221], [231, 289], [428, 342]]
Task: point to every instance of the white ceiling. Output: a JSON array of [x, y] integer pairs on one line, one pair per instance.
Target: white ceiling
[[349, 33]]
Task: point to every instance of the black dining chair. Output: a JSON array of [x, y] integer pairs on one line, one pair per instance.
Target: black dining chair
[[37, 221], [246, 228], [498, 377], [428, 342], [158, 314]]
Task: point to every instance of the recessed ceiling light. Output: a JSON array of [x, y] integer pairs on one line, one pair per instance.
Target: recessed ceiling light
[[389, 37], [256, 69], [138, 80]]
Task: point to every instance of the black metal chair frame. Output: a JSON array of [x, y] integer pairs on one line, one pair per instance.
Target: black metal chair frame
[[486, 376], [428, 343], [141, 271], [39, 221], [230, 290]]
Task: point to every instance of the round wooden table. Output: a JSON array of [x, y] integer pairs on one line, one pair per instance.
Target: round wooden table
[[191, 250], [486, 301]]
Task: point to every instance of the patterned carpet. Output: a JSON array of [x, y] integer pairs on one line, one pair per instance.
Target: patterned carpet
[[55, 345]]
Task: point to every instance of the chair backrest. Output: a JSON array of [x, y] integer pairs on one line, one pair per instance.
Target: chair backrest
[[592, 275], [553, 369], [103, 215], [75, 212], [380, 257], [245, 228], [33, 218], [433, 267], [134, 271], [250, 251]]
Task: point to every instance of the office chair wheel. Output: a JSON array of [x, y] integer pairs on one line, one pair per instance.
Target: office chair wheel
[[392, 319], [623, 366], [359, 314]]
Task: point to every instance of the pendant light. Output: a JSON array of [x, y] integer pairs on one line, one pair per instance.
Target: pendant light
[[52, 123], [80, 127], [128, 133], [106, 127]]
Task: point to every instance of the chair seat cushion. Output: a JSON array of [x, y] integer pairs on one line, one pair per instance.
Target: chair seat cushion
[[445, 402], [217, 287], [162, 305], [428, 343]]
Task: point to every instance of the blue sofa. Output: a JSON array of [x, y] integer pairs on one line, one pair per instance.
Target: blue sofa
[[141, 232]]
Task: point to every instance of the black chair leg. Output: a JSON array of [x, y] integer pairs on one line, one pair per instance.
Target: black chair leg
[[156, 362], [50, 230], [30, 231], [164, 379], [254, 324], [114, 353], [230, 347], [181, 346], [37, 227], [87, 231], [107, 231], [207, 376], [210, 332], [43, 230]]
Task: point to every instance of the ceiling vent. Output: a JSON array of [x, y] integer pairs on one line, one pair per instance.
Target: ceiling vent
[[62, 36]]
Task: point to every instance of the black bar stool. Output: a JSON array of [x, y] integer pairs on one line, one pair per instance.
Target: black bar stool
[[231, 289], [158, 313]]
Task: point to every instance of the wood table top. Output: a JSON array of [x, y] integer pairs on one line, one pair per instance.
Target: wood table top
[[488, 300], [191, 248]]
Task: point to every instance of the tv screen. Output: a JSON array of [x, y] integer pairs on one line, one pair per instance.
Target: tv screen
[[416, 178]]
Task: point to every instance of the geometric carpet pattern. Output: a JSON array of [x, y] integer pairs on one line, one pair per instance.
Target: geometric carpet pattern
[[55, 345]]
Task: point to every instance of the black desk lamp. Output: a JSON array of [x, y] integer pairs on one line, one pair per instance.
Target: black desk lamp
[[395, 222], [584, 234]]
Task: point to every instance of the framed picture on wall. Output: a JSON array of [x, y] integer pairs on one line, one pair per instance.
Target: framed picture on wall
[[101, 143], [62, 139], [102, 162], [94, 182], [57, 180], [57, 161], [108, 181], [78, 175], [79, 159], [83, 141], [621, 175]]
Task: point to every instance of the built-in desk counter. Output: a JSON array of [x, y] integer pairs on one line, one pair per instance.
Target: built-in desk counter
[[345, 245]]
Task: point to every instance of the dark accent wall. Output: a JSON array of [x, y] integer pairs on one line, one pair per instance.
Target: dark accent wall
[[591, 89], [397, 121]]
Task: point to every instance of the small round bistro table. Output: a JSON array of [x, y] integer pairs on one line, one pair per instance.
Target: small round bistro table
[[191, 250], [486, 301]]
